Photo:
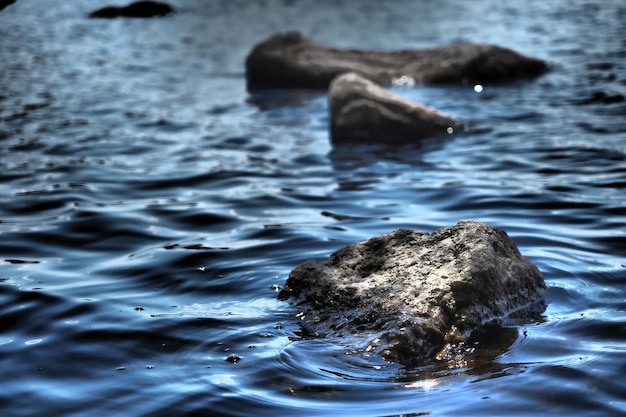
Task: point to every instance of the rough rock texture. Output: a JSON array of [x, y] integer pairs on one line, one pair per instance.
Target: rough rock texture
[[136, 9], [290, 60], [406, 294], [363, 112]]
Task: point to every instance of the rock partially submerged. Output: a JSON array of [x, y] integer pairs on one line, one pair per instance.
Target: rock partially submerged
[[290, 60], [364, 112], [142, 9], [406, 295]]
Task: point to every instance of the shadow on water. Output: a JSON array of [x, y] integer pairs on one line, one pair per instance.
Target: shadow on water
[[361, 167], [345, 157]]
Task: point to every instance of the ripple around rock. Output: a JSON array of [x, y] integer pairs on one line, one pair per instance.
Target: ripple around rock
[[408, 293], [290, 60]]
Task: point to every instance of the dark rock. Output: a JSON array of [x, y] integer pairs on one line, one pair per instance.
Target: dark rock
[[290, 60], [138, 9], [407, 295], [6, 3], [363, 112]]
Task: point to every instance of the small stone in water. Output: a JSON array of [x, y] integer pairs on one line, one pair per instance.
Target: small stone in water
[[266, 335], [232, 358]]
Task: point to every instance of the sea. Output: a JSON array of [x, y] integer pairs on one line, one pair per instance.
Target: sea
[[152, 208]]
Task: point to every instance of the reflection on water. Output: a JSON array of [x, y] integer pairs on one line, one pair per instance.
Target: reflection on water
[[151, 210]]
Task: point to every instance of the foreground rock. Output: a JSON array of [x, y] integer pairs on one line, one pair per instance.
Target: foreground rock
[[290, 60], [138, 9], [363, 112], [407, 295]]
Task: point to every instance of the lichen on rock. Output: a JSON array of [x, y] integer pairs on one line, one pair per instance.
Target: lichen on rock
[[405, 294]]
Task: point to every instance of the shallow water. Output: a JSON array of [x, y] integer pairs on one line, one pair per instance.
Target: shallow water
[[151, 208]]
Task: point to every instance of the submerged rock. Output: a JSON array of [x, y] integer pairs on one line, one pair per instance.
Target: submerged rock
[[137, 9], [408, 294], [290, 60], [363, 112]]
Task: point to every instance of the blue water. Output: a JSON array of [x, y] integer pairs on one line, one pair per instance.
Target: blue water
[[151, 209]]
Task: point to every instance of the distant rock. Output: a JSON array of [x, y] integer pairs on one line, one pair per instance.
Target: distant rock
[[408, 295], [138, 9], [363, 112], [5, 3], [290, 60]]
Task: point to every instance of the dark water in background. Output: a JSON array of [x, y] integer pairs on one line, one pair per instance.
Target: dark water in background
[[150, 208]]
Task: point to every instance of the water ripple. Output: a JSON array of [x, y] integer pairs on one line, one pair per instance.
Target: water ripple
[[152, 209]]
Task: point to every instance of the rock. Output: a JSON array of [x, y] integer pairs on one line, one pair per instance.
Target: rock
[[408, 294], [6, 3], [137, 9], [363, 112], [290, 60]]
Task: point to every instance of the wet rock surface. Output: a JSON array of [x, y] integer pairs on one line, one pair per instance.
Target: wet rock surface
[[290, 60], [141, 9], [407, 295], [361, 111]]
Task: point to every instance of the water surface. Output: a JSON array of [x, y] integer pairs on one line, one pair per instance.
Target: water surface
[[151, 209]]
